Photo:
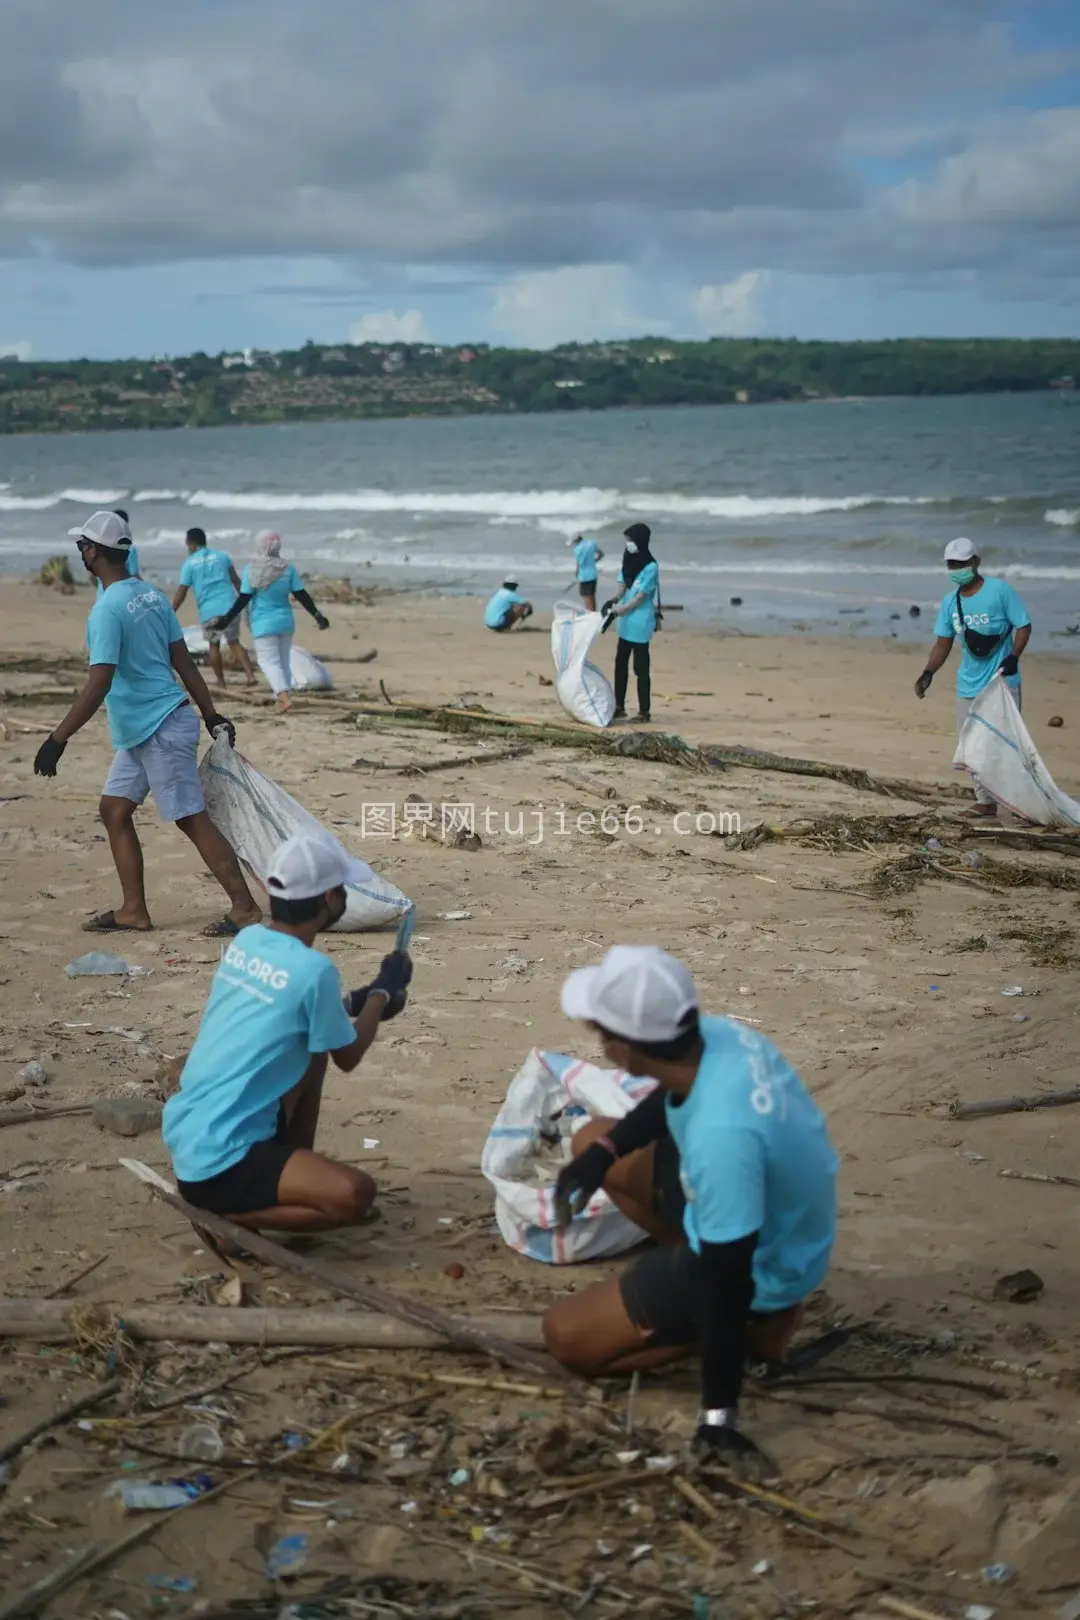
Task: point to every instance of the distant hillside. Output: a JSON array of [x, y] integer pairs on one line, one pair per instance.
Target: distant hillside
[[323, 382]]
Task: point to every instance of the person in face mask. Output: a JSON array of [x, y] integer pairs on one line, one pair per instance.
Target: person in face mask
[[637, 611], [994, 627], [241, 1128]]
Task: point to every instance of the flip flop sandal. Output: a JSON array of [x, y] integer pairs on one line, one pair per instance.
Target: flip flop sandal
[[972, 813], [224, 928], [106, 923], [236, 1260]]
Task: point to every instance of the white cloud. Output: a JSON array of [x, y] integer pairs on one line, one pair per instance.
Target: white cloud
[[383, 326], [15, 351], [575, 304], [732, 308]]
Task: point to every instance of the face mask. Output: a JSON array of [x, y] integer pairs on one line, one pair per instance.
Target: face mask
[[631, 548], [961, 576]]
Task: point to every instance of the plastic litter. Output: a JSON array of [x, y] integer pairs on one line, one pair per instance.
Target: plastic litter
[[978, 1611], [202, 1442], [97, 962], [288, 1556], [1013, 990], [308, 672], [293, 1441], [551, 1096], [454, 916], [173, 1583], [998, 1574], [762, 1567], [256, 816], [34, 1074], [143, 1498], [996, 747], [584, 692], [459, 1477]]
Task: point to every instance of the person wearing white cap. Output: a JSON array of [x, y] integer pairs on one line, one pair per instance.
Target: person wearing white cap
[[507, 608], [727, 1164], [137, 650], [994, 627], [241, 1128]]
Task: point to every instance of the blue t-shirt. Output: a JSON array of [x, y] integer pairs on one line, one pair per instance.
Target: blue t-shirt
[[132, 566], [495, 612], [585, 557], [132, 625], [270, 611], [640, 623], [207, 573], [994, 609], [274, 1003], [755, 1156]]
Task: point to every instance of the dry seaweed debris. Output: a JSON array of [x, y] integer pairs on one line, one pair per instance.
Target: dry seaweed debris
[[904, 873]]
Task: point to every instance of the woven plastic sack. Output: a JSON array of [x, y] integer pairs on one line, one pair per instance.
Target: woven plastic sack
[[256, 816], [996, 747], [308, 672], [551, 1090], [582, 689]]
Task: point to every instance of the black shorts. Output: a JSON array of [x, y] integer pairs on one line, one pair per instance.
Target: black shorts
[[507, 620], [248, 1185], [586, 587], [661, 1290]]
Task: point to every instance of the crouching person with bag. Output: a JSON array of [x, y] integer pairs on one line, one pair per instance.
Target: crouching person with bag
[[241, 1127]]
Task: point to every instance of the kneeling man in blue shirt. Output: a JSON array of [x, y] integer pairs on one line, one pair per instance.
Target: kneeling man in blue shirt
[[241, 1128], [727, 1164]]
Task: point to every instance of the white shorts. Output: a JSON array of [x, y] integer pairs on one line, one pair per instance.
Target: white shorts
[[166, 765]]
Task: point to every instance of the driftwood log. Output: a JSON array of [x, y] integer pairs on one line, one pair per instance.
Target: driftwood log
[[1015, 1105], [49, 1321]]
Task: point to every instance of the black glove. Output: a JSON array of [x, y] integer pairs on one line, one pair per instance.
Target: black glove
[[394, 974], [356, 999], [1010, 665], [217, 722], [48, 757], [608, 605], [733, 1450], [581, 1180], [922, 685], [322, 621]]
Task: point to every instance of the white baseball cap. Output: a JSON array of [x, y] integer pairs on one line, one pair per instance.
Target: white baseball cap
[[105, 529], [637, 992], [306, 865], [960, 551]]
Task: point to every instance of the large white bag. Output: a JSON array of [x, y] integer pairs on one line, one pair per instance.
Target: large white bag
[[308, 671], [256, 816], [547, 1090], [996, 747], [581, 688], [196, 642]]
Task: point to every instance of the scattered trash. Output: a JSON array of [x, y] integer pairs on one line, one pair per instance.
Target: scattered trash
[[126, 1116], [346, 1466], [640, 1552], [1019, 1288], [410, 1507], [455, 1271], [370, 1143], [762, 1567], [173, 1583], [935, 844], [1021, 1018], [514, 963], [288, 1556], [972, 859], [978, 1611], [606, 1549], [454, 916], [935, 987], [446, 1220], [998, 1574], [975, 1158], [202, 1442], [100, 962], [459, 1477], [34, 1074], [1014, 990], [292, 1441], [661, 1465], [701, 1606], [141, 1497]]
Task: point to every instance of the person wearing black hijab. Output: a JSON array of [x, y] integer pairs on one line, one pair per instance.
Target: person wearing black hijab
[[637, 610]]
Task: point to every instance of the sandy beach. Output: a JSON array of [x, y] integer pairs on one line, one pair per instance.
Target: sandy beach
[[886, 990]]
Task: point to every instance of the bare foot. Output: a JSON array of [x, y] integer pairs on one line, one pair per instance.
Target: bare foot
[[284, 702]]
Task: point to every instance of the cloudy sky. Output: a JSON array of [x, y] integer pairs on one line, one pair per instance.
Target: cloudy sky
[[216, 173]]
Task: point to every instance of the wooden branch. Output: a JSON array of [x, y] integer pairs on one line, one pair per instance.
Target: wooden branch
[[1033, 1175], [54, 1322], [1014, 1105], [455, 1330], [57, 1580], [587, 784], [70, 1409], [23, 1116]]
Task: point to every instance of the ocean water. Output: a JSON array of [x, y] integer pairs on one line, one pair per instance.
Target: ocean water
[[832, 517]]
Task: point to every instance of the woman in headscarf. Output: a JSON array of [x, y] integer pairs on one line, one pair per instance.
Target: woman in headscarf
[[637, 610], [267, 583]]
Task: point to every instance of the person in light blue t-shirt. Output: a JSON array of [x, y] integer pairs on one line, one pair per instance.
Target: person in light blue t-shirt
[[211, 575], [637, 611], [727, 1164], [994, 628], [137, 651], [586, 556], [266, 586], [241, 1127], [507, 609]]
